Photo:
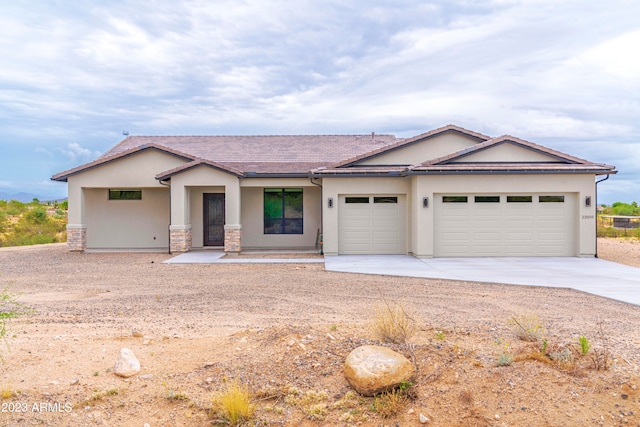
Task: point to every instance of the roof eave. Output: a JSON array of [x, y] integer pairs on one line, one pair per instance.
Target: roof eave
[[100, 161], [509, 172]]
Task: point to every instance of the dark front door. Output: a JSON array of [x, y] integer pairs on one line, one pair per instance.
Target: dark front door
[[213, 219]]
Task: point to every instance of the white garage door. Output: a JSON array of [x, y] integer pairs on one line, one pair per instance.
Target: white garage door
[[505, 225], [371, 224]]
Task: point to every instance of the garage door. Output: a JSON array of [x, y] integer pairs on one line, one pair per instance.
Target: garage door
[[371, 224], [505, 225]]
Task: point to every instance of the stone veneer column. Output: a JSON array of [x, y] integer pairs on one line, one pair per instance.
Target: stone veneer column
[[76, 237], [233, 239], [179, 238]]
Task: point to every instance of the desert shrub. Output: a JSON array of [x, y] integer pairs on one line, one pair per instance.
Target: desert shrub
[[563, 357], [526, 327], [233, 403], [585, 345], [37, 215], [389, 403], [392, 323], [10, 308]]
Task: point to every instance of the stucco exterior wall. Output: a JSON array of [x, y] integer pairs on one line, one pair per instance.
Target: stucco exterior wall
[[334, 187], [127, 224], [422, 151], [137, 171], [253, 216], [506, 153], [186, 196]]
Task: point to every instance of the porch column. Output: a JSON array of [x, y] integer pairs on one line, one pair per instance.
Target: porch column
[[180, 230], [179, 238], [232, 227], [76, 226]]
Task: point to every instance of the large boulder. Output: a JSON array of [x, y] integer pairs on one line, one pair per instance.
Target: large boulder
[[372, 369], [127, 364]]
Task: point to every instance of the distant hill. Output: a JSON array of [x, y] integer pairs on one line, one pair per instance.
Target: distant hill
[[21, 197], [28, 197]]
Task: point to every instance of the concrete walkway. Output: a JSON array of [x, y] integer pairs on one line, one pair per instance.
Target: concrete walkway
[[211, 257], [591, 275]]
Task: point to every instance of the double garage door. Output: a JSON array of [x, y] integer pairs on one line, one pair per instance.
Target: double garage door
[[372, 224], [505, 225]]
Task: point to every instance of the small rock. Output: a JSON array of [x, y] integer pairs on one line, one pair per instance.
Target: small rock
[[411, 411], [146, 376], [147, 424], [75, 381], [423, 419], [137, 334], [372, 369], [127, 364], [624, 396]]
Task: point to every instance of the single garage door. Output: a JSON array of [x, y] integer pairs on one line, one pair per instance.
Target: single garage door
[[505, 225], [371, 224]]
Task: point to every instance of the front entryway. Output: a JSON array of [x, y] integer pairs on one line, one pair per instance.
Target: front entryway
[[213, 219]]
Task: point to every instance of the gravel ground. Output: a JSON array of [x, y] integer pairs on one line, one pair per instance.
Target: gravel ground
[[87, 306]]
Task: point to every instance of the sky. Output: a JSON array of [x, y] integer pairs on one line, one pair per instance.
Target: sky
[[75, 75]]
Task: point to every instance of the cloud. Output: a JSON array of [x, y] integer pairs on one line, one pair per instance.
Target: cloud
[[560, 73], [75, 153]]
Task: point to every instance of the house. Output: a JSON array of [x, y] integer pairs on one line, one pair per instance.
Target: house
[[449, 192]]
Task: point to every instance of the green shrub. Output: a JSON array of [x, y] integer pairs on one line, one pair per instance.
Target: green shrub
[[10, 308], [585, 345]]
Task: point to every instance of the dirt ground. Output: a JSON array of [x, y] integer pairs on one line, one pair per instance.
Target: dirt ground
[[284, 331]]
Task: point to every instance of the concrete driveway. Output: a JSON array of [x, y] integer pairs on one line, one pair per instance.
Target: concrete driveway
[[591, 275]]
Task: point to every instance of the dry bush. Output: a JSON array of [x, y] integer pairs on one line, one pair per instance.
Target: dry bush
[[392, 323], [526, 327], [389, 403], [233, 403]]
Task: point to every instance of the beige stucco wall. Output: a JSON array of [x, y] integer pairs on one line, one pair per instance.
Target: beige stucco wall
[[136, 171], [186, 197], [334, 187], [580, 185], [422, 151], [127, 224], [507, 152]]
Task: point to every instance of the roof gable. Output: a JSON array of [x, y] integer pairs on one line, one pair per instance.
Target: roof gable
[[423, 147], [506, 149], [107, 158], [508, 154]]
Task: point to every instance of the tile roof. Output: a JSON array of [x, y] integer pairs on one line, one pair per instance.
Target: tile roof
[[269, 148], [324, 155]]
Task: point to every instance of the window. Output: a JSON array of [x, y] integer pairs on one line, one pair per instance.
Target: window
[[454, 199], [125, 194], [283, 211], [551, 199], [356, 199], [519, 199], [385, 199], [487, 199]]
